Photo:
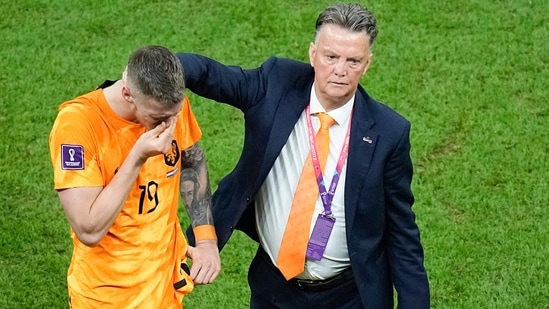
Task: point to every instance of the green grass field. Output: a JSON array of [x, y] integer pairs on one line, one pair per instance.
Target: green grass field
[[471, 76]]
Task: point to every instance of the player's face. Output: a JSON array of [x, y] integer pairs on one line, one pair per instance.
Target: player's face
[[150, 113], [340, 57]]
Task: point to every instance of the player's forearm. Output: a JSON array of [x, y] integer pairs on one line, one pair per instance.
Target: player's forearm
[[108, 204], [199, 209]]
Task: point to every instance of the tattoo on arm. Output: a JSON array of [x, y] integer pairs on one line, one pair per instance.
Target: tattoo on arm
[[195, 186]]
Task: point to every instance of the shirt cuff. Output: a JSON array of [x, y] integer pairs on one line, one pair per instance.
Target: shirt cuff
[[203, 232]]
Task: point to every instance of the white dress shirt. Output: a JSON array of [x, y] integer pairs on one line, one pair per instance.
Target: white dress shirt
[[274, 199]]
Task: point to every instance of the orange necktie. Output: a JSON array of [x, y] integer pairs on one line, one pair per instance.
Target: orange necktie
[[291, 258]]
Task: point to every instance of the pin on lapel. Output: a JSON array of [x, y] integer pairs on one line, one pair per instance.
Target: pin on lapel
[[367, 139]]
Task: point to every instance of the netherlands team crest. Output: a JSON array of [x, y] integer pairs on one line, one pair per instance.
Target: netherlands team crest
[[172, 156]]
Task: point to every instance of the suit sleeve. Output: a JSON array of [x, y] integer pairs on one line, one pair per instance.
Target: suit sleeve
[[226, 84], [405, 251]]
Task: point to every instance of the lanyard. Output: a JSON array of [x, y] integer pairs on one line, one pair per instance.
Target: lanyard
[[327, 196]]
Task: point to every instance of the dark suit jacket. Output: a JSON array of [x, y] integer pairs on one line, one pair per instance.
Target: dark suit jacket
[[383, 238]]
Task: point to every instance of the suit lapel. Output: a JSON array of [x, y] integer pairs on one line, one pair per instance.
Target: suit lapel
[[290, 107], [363, 140]]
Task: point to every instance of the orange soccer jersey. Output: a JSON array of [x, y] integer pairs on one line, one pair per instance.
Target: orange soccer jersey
[[138, 262]]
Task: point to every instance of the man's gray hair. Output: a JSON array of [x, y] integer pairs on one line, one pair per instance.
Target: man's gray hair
[[351, 16]]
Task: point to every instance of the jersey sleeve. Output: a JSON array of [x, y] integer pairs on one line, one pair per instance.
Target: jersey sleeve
[[190, 130], [72, 148]]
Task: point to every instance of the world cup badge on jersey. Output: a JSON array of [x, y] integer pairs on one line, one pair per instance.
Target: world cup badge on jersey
[[72, 157], [172, 156]]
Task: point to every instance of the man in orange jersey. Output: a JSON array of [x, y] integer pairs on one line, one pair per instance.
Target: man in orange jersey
[[117, 154]]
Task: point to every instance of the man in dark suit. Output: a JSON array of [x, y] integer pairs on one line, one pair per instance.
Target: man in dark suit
[[373, 243]]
